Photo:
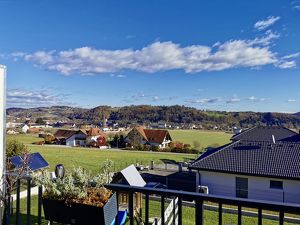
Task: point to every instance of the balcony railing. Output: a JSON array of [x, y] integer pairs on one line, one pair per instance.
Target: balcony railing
[[14, 216], [199, 200]]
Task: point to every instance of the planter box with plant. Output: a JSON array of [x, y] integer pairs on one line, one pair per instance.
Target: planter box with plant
[[79, 198]]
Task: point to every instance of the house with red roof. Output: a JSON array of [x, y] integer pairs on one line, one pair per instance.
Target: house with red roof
[[95, 138], [141, 136], [71, 138]]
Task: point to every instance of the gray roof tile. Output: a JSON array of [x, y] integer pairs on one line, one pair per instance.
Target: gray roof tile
[[258, 158]]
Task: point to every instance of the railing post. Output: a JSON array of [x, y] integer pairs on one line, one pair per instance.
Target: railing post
[[162, 210], [40, 193], [220, 214], [174, 210], [28, 200], [131, 212], [179, 210], [8, 209], [147, 209], [117, 216], [199, 212], [281, 217], [18, 203], [239, 215], [259, 216]]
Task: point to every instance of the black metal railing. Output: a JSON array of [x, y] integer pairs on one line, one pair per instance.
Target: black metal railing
[[281, 208], [14, 216], [12, 213]]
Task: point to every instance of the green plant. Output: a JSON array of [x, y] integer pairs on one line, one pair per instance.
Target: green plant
[[14, 148], [78, 186], [49, 139]]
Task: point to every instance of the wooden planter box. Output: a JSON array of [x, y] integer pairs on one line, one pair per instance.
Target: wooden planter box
[[59, 211]]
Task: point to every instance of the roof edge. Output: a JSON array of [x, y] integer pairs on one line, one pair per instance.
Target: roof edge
[[245, 174]]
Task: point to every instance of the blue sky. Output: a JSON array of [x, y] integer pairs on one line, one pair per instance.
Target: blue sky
[[220, 55]]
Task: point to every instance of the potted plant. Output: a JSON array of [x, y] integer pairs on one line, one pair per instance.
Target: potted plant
[[78, 198]]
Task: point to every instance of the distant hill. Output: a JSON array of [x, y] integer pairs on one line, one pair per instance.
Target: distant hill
[[146, 114], [297, 114]]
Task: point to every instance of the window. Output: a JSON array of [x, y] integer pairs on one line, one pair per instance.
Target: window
[[241, 187], [275, 184]]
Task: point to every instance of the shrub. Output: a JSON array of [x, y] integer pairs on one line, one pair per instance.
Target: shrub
[[14, 148], [49, 139], [154, 148]]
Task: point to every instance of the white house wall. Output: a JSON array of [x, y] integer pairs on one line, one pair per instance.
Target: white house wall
[[90, 139], [71, 141], [258, 187]]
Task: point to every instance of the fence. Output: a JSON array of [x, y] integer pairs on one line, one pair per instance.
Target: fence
[[199, 199]]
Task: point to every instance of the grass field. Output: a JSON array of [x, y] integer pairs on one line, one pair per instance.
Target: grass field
[[205, 138], [91, 159], [24, 138]]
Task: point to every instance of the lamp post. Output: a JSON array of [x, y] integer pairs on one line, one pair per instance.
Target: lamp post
[[2, 130]]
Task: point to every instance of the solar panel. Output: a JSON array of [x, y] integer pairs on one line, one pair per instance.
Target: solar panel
[[17, 161], [35, 161]]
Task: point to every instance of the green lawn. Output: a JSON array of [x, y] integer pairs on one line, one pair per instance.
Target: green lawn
[[25, 138], [205, 138], [91, 159]]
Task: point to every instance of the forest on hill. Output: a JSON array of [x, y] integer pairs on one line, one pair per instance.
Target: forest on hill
[[147, 115]]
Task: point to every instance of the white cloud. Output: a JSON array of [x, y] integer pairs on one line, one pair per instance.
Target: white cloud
[[33, 98], [296, 7], [161, 56], [203, 101], [18, 54], [130, 36], [263, 24], [255, 99], [233, 100], [118, 75], [265, 40], [40, 57], [136, 97], [291, 56], [155, 98], [291, 100], [288, 61], [286, 64]]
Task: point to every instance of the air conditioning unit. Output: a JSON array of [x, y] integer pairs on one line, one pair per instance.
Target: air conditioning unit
[[203, 189]]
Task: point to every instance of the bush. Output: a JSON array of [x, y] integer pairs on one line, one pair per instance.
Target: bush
[[14, 148], [49, 139], [154, 149]]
